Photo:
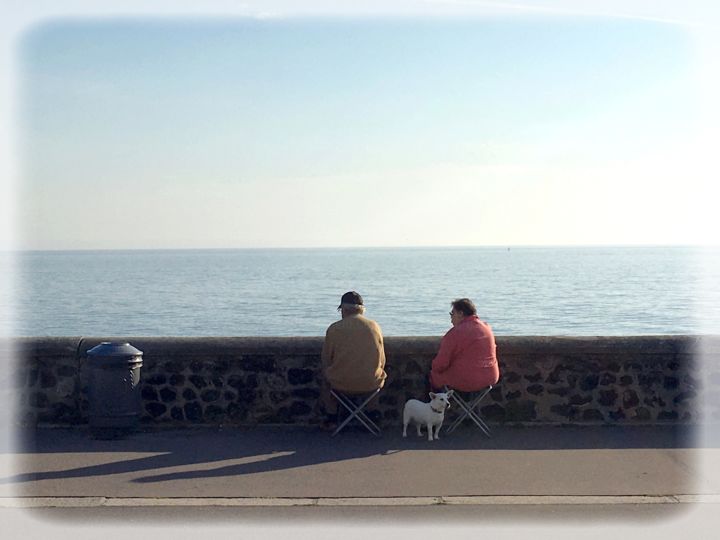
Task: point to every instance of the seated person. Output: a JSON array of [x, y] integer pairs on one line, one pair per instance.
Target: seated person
[[466, 360], [353, 356]]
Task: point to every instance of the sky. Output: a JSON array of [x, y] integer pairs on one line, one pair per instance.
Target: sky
[[502, 127], [261, 123]]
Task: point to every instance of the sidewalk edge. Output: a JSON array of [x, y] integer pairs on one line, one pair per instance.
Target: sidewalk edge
[[90, 502]]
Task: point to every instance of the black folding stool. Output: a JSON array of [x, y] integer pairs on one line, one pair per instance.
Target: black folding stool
[[468, 407], [355, 410]]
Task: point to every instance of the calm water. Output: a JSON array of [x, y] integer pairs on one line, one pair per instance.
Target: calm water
[[519, 291]]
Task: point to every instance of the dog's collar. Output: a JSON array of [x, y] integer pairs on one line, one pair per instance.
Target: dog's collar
[[435, 411]]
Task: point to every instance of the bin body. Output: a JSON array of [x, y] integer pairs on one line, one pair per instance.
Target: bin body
[[113, 389]]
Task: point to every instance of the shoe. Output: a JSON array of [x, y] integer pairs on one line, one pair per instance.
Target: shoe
[[330, 423], [328, 426]]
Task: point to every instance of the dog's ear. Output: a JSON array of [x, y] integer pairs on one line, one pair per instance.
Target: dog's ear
[[450, 393], [432, 395]]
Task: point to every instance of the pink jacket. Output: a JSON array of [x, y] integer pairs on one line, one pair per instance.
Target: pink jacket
[[466, 357]]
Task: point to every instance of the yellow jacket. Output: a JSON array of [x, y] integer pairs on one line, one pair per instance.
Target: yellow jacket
[[353, 355]]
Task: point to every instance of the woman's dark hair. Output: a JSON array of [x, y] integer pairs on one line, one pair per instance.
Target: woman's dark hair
[[464, 306]]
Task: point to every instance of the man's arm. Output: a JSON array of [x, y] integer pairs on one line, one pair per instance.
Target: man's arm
[[381, 344], [327, 351]]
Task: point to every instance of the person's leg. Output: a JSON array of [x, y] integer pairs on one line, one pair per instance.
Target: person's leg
[[328, 404]]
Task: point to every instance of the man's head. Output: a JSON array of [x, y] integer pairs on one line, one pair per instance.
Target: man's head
[[351, 303], [461, 308]]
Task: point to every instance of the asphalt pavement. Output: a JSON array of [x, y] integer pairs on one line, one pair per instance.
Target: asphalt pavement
[[287, 462], [568, 474]]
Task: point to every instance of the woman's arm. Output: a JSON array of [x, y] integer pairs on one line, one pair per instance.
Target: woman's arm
[[444, 357]]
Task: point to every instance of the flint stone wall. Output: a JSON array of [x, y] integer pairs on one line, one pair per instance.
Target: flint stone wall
[[250, 381]]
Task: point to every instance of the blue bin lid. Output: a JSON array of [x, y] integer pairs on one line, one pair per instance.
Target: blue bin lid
[[114, 349]]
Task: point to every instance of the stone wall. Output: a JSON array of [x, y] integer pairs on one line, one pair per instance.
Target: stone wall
[[249, 381]]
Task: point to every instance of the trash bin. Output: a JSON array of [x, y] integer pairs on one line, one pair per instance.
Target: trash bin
[[113, 389]]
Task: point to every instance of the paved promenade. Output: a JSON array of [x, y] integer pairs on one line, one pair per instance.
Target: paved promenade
[[307, 463], [268, 471]]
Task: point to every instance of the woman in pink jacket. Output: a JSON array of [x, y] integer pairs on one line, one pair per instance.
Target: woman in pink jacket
[[466, 360]]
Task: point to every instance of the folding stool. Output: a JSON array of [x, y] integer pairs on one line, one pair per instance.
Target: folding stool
[[468, 407], [355, 410]]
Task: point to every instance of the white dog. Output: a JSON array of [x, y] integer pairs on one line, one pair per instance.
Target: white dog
[[427, 414]]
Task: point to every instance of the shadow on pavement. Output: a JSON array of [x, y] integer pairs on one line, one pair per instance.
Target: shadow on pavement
[[277, 448]]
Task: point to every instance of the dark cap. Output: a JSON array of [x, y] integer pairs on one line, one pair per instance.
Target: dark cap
[[351, 298]]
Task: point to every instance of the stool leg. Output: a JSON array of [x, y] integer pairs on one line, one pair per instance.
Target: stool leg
[[479, 422], [356, 412], [461, 416], [364, 418], [469, 411]]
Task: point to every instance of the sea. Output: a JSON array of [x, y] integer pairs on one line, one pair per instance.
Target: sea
[[553, 291]]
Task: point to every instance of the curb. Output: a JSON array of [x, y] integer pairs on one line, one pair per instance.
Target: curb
[[93, 502]]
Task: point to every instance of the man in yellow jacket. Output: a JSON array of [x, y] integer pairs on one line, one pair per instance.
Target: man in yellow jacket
[[353, 355]]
